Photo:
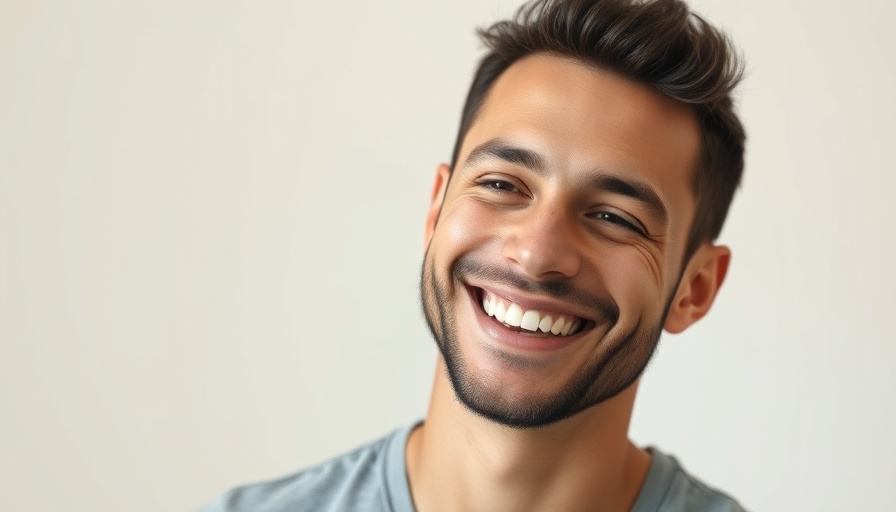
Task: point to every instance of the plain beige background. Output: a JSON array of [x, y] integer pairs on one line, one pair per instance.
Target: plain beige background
[[211, 219]]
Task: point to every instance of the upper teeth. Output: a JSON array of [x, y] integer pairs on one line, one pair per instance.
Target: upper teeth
[[529, 319]]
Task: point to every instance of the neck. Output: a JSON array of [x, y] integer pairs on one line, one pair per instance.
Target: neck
[[458, 460]]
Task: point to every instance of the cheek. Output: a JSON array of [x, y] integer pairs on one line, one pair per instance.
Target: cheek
[[461, 230], [633, 281]]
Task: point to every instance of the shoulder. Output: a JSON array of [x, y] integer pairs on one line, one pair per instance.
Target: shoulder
[[358, 480], [669, 488]]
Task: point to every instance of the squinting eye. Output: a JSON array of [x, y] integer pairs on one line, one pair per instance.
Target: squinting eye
[[619, 221], [499, 185]]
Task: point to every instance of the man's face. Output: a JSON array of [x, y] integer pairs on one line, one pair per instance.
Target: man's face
[[559, 240]]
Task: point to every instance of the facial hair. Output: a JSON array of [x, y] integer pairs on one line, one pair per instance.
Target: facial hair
[[602, 379]]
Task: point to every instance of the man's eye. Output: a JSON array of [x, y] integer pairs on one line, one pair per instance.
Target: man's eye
[[499, 185], [619, 221]]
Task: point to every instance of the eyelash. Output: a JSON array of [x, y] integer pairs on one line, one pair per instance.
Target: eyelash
[[503, 186], [499, 185], [620, 221]]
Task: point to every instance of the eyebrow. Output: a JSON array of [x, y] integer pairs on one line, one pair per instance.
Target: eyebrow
[[635, 189], [503, 150], [638, 190]]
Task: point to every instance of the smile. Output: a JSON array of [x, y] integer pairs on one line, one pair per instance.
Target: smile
[[534, 321]]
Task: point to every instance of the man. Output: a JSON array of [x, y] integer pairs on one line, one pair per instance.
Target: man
[[597, 156]]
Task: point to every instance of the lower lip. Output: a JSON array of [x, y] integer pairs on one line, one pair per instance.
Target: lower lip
[[516, 339]]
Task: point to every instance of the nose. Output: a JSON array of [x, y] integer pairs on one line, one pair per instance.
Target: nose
[[542, 246]]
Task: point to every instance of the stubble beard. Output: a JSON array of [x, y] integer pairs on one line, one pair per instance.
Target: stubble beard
[[600, 380]]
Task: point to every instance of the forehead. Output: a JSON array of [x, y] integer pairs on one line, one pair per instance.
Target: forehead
[[583, 118]]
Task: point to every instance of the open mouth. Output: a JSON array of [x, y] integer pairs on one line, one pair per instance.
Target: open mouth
[[529, 321]]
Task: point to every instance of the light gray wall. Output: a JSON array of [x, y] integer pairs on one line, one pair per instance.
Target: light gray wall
[[211, 219]]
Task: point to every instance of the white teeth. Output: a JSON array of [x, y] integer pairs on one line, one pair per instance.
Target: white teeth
[[530, 321], [514, 315], [558, 325], [500, 311], [566, 328], [546, 323]]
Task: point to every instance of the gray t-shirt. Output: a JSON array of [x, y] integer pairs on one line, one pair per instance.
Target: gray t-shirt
[[373, 478]]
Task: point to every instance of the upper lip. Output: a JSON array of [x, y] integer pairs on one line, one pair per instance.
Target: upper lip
[[539, 303]]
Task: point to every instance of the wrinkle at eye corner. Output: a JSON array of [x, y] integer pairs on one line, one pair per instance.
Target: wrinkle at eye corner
[[651, 262]]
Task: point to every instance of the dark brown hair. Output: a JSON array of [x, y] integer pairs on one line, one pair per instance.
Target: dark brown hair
[[657, 42]]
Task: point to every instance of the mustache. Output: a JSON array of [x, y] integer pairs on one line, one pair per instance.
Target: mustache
[[560, 289]]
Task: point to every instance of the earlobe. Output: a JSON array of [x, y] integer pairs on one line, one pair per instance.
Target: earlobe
[[439, 187], [698, 287]]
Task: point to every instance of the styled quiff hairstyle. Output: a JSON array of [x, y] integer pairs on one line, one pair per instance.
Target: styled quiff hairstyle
[[656, 42]]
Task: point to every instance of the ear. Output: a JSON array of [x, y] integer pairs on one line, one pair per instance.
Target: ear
[[439, 187], [698, 287]]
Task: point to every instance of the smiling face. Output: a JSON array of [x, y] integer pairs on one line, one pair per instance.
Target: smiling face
[[555, 249]]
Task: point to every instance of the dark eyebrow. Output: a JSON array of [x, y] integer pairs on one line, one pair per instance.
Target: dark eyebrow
[[503, 150], [637, 190]]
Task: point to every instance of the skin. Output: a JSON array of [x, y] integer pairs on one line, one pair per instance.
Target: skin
[[549, 230]]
